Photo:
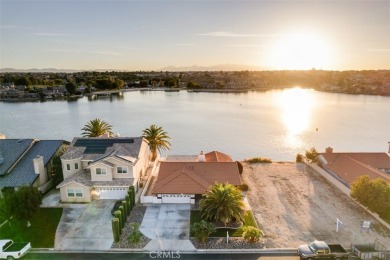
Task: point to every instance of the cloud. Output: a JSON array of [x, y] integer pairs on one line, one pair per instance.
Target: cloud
[[182, 44], [243, 45], [64, 50], [231, 34], [107, 53], [52, 34]]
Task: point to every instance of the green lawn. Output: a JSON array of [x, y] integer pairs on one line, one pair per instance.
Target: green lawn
[[221, 232], [42, 231]]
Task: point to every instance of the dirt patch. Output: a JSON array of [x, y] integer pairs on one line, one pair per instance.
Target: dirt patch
[[293, 206]]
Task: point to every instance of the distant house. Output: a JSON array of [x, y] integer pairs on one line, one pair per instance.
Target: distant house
[[102, 168], [28, 162], [348, 166], [184, 179]]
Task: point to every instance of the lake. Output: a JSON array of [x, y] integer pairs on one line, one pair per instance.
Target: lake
[[276, 124]]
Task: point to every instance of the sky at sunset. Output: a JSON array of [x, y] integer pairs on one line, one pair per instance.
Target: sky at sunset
[[149, 35]]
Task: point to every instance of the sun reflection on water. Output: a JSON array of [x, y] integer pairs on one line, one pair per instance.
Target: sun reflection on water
[[296, 106]]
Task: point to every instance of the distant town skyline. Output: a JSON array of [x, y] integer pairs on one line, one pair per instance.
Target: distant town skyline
[[150, 35]]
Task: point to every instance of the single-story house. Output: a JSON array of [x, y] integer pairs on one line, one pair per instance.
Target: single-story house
[[28, 162], [102, 168], [347, 167], [184, 179]]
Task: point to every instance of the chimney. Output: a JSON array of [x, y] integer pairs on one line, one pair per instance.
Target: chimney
[[39, 169], [329, 150], [201, 157]]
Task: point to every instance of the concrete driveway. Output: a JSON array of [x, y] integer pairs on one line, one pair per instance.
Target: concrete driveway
[[85, 228], [167, 221]]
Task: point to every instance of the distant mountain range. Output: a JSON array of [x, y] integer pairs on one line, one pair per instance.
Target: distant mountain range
[[38, 70], [223, 67]]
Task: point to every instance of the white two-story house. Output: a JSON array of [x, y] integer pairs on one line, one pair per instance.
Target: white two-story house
[[102, 168]]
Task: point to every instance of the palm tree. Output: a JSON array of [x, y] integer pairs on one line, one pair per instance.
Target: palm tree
[[202, 230], [222, 203], [157, 138], [96, 128]]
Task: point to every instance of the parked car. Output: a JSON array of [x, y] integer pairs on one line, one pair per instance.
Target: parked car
[[321, 250], [117, 204], [10, 250]]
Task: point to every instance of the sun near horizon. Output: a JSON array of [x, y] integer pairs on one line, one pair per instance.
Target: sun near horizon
[[300, 51]]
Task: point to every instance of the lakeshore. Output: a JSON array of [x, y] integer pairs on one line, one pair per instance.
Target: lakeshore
[[293, 120]]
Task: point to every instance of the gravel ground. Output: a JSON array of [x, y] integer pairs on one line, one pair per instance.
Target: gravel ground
[[294, 205], [136, 216], [234, 243]]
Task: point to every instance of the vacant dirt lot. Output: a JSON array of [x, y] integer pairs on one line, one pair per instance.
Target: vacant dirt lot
[[294, 206]]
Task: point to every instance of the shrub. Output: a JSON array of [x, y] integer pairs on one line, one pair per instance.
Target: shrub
[[115, 229], [240, 167], [251, 234], [374, 194], [122, 210], [299, 158], [244, 187], [258, 160], [135, 235], [312, 155], [132, 196], [202, 230], [119, 216], [126, 208], [127, 198]]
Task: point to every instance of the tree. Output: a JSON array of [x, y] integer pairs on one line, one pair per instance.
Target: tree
[[193, 85], [222, 203], [240, 167], [6, 206], [71, 87], [251, 234], [96, 128], [157, 138], [374, 194], [312, 155], [25, 202], [202, 230], [24, 81], [299, 158]]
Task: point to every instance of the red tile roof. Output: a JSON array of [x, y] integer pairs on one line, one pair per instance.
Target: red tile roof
[[194, 177], [376, 160], [348, 167], [216, 156]]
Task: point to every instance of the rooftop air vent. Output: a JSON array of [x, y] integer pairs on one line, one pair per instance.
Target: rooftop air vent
[[20, 141], [1, 160]]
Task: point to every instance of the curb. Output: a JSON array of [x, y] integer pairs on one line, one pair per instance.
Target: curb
[[271, 251]]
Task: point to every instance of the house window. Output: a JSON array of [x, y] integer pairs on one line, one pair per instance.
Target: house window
[[68, 167], [76, 166], [101, 171], [121, 169], [75, 192]]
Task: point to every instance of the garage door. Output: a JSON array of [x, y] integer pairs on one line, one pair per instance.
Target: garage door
[[175, 199], [112, 193]]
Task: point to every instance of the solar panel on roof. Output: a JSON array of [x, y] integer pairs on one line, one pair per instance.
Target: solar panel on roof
[[99, 146]]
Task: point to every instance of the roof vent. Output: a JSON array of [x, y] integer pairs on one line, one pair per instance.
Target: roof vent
[[20, 141], [1, 160]]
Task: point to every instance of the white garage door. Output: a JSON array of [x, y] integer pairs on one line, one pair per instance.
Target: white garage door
[[175, 199], [112, 193]]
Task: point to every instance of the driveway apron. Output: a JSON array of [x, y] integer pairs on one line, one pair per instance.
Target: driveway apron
[[167, 221], [87, 228]]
